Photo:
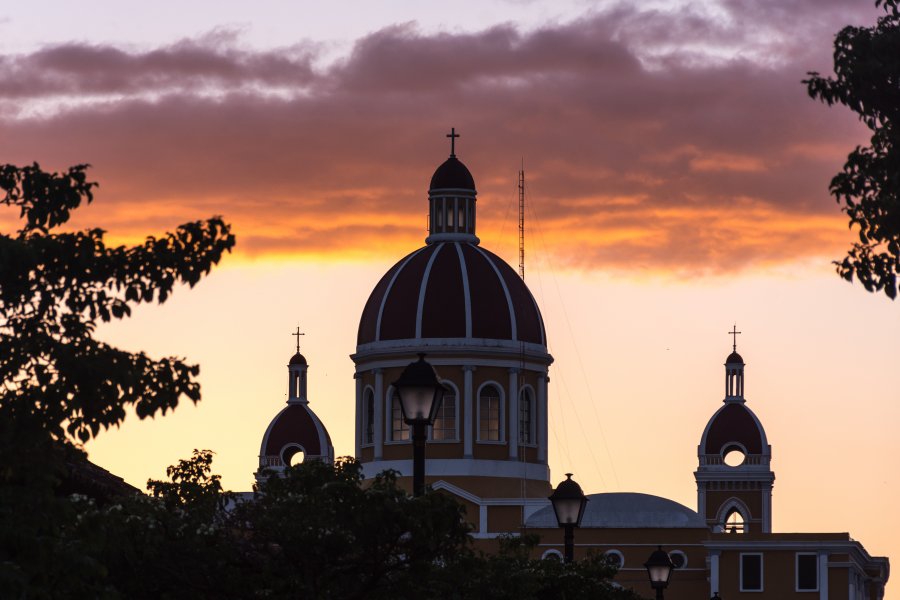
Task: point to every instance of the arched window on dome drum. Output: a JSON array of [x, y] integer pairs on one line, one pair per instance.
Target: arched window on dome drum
[[526, 417], [489, 414], [399, 428], [444, 428], [369, 408], [734, 522]]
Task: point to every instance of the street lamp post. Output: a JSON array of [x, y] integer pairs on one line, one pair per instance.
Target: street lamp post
[[659, 568], [568, 503], [420, 394]]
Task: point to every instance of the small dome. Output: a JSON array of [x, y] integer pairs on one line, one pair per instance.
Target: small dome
[[297, 359], [452, 174], [626, 511], [451, 290], [734, 358], [295, 428], [734, 423]]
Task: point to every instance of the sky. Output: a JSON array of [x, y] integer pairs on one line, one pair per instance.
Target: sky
[[677, 178]]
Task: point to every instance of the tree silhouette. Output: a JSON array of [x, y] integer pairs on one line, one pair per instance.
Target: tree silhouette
[[867, 81], [60, 385], [55, 287]]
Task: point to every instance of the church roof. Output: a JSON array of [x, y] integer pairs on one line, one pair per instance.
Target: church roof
[[451, 290], [297, 359], [452, 174], [627, 510]]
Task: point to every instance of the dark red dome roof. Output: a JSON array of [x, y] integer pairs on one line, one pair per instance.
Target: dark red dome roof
[[734, 422], [451, 290], [296, 424], [297, 359], [452, 174]]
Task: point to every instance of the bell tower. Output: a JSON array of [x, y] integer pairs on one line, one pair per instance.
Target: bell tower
[[734, 475]]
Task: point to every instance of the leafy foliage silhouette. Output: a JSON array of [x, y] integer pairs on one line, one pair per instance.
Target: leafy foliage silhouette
[[60, 385], [56, 286], [867, 81]]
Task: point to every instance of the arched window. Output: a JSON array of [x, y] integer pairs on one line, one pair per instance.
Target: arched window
[[444, 427], [734, 521], [489, 414], [399, 428], [369, 421], [526, 417]]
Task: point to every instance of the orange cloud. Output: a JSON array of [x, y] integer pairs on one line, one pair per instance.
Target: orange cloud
[[631, 162]]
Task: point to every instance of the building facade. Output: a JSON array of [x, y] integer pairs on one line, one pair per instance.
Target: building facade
[[480, 327]]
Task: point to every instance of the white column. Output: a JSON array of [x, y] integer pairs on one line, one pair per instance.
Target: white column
[[542, 412], [512, 431], [360, 411], [701, 500], [823, 576], [713, 572], [468, 416], [379, 413]]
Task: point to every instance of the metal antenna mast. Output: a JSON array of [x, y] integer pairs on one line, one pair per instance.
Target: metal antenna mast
[[522, 221]]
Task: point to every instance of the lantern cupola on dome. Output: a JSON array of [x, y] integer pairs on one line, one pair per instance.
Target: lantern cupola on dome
[[734, 372], [451, 201]]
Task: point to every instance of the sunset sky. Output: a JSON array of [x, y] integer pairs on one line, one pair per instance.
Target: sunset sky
[[677, 179]]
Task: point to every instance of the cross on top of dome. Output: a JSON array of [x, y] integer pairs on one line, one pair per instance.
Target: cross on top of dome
[[297, 335], [734, 333], [453, 135]]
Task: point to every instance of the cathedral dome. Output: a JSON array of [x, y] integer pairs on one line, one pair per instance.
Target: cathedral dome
[[297, 359], [451, 290], [452, 174]]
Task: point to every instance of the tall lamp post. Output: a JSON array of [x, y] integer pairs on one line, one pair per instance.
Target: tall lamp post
[[568, 503], [659, 568], [420, 394]]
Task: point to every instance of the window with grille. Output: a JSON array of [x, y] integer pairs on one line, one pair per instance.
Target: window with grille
[[526, 417], [399, 428], [489, 414], [444, 427]]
